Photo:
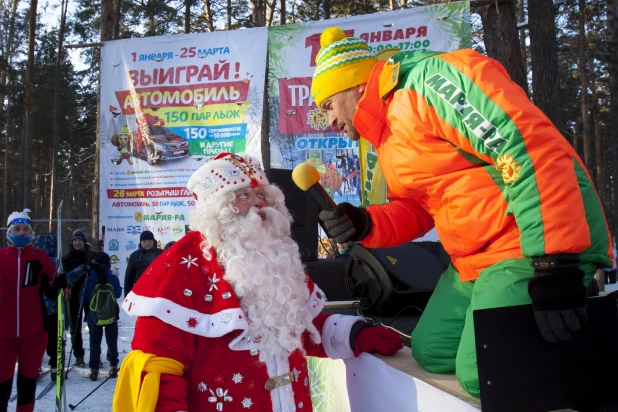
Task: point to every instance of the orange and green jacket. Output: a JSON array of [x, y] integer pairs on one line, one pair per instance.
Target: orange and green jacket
[[462, 148]]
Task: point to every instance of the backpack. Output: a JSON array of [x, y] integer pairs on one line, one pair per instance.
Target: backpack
[[48, 243], [103, 306]]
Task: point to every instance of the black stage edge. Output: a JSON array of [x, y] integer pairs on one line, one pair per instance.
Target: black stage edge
[[519, 371]]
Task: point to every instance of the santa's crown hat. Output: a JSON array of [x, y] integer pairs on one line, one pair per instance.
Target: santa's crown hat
[[16, 218], [226, 172]]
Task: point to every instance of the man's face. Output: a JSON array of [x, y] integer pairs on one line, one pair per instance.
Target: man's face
[[147, 244], [341, 109], [249, 197], [78, 244], [21, 229]]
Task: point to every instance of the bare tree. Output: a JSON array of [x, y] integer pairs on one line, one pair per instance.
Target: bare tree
[[612, 26], [25, 169], [107, 19], [501, 39], [583, 78], [116, 18], [187, 16], [107, 29], [282, 11], [209, 17], [63, 14], [259, 13], [544, 53], [522, 32], [229, 14], [7, 55], [598, 152], [271, 12]]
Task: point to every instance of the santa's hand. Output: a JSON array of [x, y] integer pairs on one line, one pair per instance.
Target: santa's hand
[[346, 222], [379, 339]]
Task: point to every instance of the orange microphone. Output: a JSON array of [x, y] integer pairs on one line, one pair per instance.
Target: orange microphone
[[307, 178]]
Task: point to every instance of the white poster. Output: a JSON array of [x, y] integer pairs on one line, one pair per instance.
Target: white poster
[[299, 130], [167, 104]]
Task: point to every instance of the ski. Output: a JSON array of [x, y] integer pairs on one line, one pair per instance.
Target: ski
[[41, 374], [61, 309], [45, 390], [48, 387]]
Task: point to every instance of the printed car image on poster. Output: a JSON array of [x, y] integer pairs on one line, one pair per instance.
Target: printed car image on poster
[[167, 104], [300, 131]]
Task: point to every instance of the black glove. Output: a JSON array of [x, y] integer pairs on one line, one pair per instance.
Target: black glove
[[558, 296], [60, 281], [346, 222], [90, 265]]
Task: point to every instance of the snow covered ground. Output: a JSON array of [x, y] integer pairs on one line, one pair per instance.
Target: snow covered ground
[[78, 385]]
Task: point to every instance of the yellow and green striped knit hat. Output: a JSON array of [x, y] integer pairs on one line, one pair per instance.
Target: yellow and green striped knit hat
[[342, 63]]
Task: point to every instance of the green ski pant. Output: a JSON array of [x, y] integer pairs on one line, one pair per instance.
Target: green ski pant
[[443, 340]]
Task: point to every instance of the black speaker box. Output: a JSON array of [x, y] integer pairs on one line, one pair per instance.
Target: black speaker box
[[304, 210], [387, 280], [329, 275], [519, 371]]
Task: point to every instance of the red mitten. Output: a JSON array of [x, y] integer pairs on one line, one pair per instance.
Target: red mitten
[[379, 339]]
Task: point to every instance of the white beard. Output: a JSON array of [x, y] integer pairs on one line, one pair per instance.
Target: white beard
[[262, 264]]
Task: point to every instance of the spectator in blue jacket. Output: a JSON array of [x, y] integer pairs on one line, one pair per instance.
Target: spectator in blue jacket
[[100, 274]]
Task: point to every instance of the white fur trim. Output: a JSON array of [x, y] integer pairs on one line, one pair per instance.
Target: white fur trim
[[211, 326], [243, 342], [336, 336], [282, 398], [316, 301]]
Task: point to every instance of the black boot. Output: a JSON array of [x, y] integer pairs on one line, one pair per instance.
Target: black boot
[[94, 374], [26, 389], [5, 394]]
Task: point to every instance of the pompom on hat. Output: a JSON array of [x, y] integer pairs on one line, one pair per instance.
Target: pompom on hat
[[17, 218], [342, 62], [226, 172]]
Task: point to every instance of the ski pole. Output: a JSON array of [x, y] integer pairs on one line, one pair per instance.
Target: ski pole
[[78, 321], [86, 397]]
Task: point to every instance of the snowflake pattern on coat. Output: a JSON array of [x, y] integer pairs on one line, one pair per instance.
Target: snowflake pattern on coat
[[237, 378]]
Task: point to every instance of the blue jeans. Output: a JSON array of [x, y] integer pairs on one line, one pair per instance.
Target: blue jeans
[[111, 338]]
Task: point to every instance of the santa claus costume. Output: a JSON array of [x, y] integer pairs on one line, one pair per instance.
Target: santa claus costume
[[226, 315]]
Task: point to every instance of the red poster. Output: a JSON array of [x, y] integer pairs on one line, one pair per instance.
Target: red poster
[[298, 112]]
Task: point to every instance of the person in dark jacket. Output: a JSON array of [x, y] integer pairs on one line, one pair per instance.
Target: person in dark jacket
[[25, 275], [79, 254], [140, 260], [48, 242], [102, 273]]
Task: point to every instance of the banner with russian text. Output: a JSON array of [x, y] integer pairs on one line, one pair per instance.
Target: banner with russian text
[[167, 104], [299, 130]]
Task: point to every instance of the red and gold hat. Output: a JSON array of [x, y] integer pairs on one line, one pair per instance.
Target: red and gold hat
[[226, 172]]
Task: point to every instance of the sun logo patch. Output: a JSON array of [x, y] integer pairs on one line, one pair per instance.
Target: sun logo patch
[[317, 119], [509, 168]]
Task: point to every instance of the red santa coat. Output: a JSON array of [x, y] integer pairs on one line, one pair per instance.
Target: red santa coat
[[189, 313]]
